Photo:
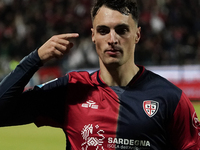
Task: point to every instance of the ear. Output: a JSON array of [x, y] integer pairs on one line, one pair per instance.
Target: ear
[[93, 38], [138, 35]]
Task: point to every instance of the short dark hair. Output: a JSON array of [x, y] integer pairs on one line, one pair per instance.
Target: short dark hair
[[123, 6]]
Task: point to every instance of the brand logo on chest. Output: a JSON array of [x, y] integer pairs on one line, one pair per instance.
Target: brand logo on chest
[[90, 104], [150, 107]]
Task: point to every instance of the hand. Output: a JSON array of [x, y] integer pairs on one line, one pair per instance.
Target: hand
[[56, 46]]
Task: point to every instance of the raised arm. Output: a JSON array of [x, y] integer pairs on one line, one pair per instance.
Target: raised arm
[[56, 46], [16, 106], [12, 106]]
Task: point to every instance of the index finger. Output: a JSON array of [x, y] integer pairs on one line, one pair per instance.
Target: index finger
[[69, 35]]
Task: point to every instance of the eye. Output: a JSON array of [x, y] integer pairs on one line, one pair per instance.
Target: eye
[[103, 30], [121, 31]]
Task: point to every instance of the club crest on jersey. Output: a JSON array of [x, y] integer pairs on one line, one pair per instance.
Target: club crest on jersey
[[150, 107]]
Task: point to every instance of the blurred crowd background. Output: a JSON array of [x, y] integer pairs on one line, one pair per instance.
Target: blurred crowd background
[[170, 32]]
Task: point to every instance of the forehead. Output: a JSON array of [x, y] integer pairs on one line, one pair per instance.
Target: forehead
[[108, 17]]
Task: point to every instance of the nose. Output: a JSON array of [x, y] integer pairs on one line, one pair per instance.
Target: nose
[[112, 38]]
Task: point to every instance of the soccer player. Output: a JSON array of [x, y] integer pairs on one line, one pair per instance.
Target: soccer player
[[120, 106]]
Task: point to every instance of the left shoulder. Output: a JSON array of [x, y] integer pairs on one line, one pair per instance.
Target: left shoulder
[[157, 80]]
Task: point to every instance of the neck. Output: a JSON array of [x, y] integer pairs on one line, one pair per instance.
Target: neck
[[118, 76]]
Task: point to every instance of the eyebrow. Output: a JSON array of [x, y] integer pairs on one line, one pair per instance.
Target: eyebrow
[[117, 26], [122, 25], [102, 26]]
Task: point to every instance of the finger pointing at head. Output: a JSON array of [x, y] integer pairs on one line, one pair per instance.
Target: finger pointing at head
[[68, 36], [56, 46]]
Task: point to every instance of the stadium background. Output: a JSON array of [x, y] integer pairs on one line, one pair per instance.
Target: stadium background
[[170, 46]]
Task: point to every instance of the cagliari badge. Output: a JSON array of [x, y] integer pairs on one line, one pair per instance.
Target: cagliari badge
[[150, 107]]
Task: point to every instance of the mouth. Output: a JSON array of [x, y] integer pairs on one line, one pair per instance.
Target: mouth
[[113, 51]]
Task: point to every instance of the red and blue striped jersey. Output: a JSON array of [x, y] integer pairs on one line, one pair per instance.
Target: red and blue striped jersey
[[150, 113]]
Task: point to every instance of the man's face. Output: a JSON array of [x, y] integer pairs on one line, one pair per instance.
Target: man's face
[[115, 36]]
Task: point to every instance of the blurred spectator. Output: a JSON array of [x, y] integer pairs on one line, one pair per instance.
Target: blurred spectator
[[170, 31]]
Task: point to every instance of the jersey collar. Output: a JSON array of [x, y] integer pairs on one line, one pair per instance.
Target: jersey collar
[[132, 82]]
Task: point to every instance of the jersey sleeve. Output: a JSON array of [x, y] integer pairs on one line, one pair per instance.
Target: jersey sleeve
[[13, 105], [19, 107], [185, 127], [52, 106]]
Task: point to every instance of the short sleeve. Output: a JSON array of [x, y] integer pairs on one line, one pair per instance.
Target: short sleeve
[[185, 126]]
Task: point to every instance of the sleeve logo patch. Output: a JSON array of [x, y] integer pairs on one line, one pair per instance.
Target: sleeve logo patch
[[150, 107], [195, 121], [41, 85]]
